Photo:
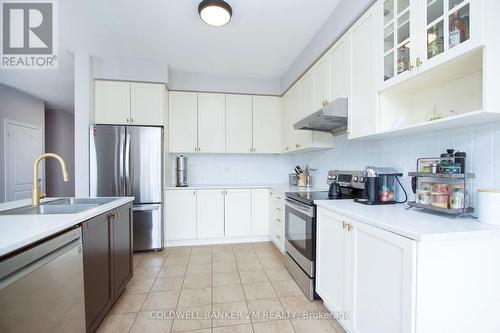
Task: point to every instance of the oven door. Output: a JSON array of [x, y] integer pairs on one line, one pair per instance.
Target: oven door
[[300, 229]]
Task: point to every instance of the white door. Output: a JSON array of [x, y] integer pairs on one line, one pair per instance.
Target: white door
[[260, 212], [180, 214], [383, 275], [266, 124], [147, 103], [321, 75], [340, 68], [238, 213], [332, 260], [183, 122], [239, 124], [364, 52], [210, 211], [24, 144], [112, 102], [211, 123]]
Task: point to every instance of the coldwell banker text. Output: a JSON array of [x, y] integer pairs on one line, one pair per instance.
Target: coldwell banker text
[[29, 35]]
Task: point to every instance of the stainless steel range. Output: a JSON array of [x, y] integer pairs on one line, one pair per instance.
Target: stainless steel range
[[300, 224]]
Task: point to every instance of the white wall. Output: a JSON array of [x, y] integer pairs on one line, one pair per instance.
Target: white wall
[[21, 107], [130, 70], [481, 143], [234, 169], [214, 83]]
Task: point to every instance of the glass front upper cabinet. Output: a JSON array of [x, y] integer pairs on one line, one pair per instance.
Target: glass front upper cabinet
[[448, 25], [397, 37]]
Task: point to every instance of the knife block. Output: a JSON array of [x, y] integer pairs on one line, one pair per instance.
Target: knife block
[[301, 181]]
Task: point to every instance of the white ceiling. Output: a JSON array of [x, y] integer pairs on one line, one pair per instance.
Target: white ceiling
[[261, 41]]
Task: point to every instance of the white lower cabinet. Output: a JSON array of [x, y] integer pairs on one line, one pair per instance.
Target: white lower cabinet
[[277, 219], [210, 212], [367, 273], [238, 213], [196, 216], [180, 214], [260, 212]]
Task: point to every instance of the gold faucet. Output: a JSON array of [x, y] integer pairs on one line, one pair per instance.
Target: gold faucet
[[36, 195]]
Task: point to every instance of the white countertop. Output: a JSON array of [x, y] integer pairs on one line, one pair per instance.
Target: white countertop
[[279, 187], [415, 224], [17, 231]]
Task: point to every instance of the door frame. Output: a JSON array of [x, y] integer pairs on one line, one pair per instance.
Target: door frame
[[8, 122]]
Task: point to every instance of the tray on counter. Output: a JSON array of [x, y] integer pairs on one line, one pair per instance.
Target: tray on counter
[[453, 211]]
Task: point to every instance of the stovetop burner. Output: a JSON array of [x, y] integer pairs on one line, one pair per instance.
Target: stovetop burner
[[309, 197]]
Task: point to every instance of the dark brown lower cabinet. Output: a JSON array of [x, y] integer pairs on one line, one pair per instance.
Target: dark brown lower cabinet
[[107, 261]]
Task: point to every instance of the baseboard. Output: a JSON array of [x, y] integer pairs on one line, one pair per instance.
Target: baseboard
[[213, 241]]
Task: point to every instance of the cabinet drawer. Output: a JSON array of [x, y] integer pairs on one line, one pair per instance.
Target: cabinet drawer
[[277, 197]]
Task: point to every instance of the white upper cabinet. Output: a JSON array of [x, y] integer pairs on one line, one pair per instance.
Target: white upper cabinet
[[364, 50], [112, 102], [210, 212], [400, 42], [211, 123], [418, 35], [239, 124], [266, 124], [321, 77], [238, 213], [260, 212], [180, 215], [125, 103], [147, 104], [340, 65], [183, 122]]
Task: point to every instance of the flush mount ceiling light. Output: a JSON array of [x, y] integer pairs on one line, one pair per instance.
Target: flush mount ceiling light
[[215, 12]]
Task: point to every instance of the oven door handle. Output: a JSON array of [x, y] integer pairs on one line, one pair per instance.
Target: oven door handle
[[303, 208]]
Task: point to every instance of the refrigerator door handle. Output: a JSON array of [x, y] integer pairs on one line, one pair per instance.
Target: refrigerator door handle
[[143, 208], [121, 182], [128, 186]]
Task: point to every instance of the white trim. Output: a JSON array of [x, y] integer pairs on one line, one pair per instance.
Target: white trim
[[214, 241]]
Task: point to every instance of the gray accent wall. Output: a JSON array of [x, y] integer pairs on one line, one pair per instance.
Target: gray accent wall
[[60, 139]]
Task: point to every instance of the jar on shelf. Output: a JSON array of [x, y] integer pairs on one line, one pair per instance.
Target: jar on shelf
[[423, 197], [457, 196], [439, 199], [426, 186], [441, 188]]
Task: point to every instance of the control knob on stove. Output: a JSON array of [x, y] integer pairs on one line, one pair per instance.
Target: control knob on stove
[[355, 179], [334, 177], [361, 179]]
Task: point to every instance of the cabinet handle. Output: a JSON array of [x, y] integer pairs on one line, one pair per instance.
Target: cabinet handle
[[131, 120], [278, 220], [128, 120], [419, 61], [195, 148], [278, 236], [349, 227], [344, 225], [286, 148], [194, 192], [222, 192], [410, 66], [297, 145]]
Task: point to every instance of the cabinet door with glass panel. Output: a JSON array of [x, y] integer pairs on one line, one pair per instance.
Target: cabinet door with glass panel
[[399, 39], [452, 28]]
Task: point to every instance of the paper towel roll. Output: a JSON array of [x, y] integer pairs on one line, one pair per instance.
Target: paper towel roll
[[488, 206]]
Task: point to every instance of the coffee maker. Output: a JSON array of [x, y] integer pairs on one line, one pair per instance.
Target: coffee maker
[[380, 186]]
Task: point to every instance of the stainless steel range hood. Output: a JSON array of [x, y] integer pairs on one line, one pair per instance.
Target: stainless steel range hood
[[331, 118]]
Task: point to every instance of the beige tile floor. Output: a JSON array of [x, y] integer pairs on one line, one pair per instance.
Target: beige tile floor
[[218, 288]]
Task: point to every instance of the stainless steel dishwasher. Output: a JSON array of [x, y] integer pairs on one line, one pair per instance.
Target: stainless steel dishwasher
[[41, 288]]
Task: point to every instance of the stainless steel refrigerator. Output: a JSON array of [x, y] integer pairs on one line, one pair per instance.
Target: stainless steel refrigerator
[[128, 161]]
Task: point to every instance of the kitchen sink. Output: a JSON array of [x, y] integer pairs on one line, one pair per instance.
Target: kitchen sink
[[48, 209], [59, 206], [80, 201]]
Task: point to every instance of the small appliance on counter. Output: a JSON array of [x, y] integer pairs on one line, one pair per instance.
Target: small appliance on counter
[[181, 171], [380, 186]]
